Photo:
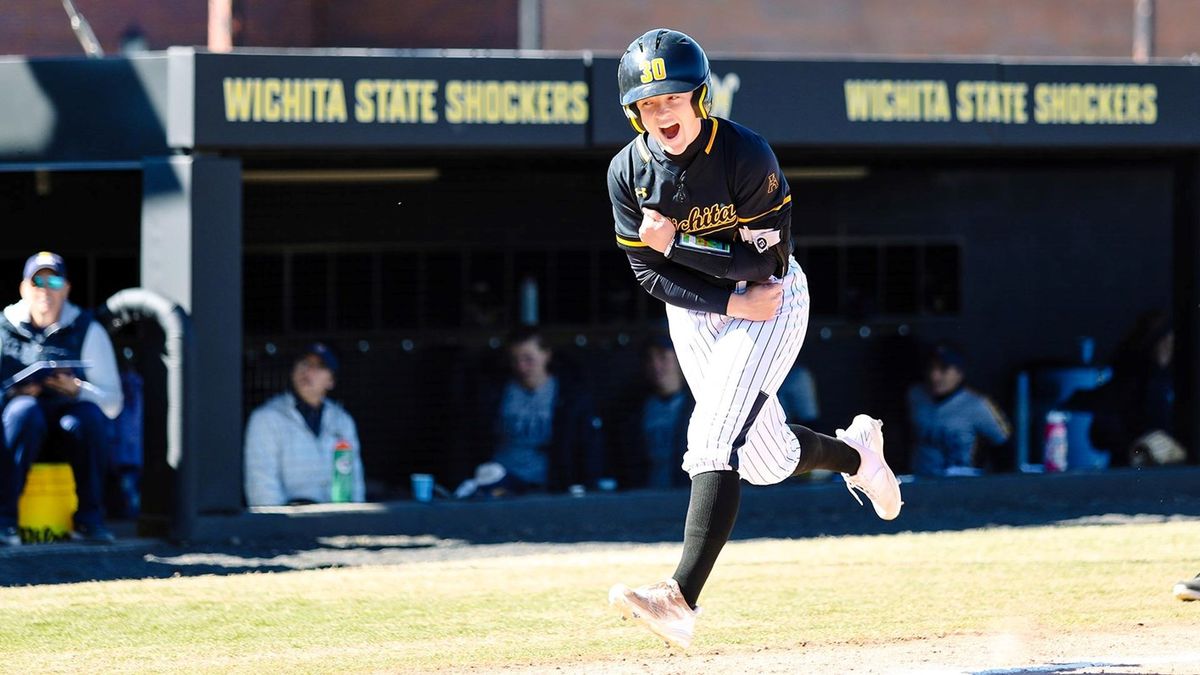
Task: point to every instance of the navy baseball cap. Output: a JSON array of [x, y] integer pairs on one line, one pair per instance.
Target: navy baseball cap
[[45, 260], [323, 352], [948, 355]]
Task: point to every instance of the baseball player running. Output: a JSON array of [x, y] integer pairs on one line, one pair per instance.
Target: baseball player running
[[704, 215]]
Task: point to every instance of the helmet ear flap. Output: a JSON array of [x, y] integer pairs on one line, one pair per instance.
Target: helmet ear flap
[[635, 120], [702, 101]]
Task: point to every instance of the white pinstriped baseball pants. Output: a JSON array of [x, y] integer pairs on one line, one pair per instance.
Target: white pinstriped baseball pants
[[734, 368]]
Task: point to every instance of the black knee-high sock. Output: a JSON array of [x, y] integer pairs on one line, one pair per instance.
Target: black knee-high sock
[[712, 510], [818, 451]]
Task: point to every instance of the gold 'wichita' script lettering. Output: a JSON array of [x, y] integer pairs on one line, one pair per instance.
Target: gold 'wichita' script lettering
[[707, 219], [273, 99]]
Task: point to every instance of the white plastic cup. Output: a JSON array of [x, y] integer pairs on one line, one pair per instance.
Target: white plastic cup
[[422, 487]]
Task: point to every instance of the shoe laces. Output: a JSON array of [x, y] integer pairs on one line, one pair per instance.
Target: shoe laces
[[862, 439], [863, 486], [852, 485], [663, 600]]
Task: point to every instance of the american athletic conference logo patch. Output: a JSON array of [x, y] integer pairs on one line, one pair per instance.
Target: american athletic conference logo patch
[[760, 239]]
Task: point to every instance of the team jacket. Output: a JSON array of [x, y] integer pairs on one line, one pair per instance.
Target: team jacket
[[76, 336], [284, 461], [948, 431], [730, 204]]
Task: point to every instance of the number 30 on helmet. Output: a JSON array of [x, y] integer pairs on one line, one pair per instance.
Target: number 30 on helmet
[[663, 61]]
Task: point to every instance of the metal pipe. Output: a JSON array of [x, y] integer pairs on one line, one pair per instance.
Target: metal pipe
[[83, 31], [529, 24], [136, 304], [220, 25], [1143, 30]]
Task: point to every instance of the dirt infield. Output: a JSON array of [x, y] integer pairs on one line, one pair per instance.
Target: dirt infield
[[1144, 649]]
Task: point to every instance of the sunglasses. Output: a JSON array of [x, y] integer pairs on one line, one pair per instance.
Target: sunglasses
[[53, 282]]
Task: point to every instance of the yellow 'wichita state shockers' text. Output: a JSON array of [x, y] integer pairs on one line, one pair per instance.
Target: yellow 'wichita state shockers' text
[[516, 102], [405, 101], [988, 101]]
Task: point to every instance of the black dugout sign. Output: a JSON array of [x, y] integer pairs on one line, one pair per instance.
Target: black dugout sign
[[382, 102], [938, 104]]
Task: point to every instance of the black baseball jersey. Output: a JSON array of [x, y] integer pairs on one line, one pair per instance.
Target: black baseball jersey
[[730, 205]]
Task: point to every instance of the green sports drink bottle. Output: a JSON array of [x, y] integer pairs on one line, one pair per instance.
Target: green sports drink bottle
[[343, 472]]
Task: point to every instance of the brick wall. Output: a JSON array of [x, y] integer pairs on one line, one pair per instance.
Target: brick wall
[[1033, 28], [412, 24], [274, 23], [423, 23], [1177, 28], [41, 28]]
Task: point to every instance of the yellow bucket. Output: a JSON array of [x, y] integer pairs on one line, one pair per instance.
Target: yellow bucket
[[46, 508]]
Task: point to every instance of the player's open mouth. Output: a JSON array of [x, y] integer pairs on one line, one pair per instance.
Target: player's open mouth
[[670, 132]]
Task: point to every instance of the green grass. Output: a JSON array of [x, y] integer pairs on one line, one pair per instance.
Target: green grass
[[550, 609]]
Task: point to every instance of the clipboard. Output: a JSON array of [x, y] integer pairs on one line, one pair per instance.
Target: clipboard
[[39, 370]]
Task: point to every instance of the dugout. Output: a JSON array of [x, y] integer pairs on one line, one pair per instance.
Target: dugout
[[410, 208]]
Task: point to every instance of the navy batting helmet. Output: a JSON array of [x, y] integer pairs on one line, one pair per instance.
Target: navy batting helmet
[[663, 61]]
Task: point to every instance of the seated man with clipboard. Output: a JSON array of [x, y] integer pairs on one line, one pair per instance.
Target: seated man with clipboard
[[61, 388]]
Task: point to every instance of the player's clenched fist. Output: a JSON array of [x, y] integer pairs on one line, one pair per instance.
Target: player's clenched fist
[[656, 231], [759, 303]]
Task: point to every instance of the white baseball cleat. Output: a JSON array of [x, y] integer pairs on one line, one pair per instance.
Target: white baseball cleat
[[874, 478], [1188, 590], [660, 607]]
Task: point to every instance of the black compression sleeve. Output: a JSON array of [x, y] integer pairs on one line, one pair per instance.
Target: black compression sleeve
[[741, 264], [749, 265], [675, 284]]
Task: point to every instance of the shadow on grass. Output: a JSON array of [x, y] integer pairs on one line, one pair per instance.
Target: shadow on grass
[[403, 532]]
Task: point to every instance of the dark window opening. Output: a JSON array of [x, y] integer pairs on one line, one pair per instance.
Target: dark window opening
[[861, 281]]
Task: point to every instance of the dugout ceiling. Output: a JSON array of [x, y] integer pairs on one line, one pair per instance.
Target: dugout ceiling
[[123, 109]]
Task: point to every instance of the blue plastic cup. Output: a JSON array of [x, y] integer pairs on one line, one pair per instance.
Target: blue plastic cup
[[422, 487], [1087, 350]]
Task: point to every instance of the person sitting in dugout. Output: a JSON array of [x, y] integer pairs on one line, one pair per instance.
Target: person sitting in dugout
[[59, 407]]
